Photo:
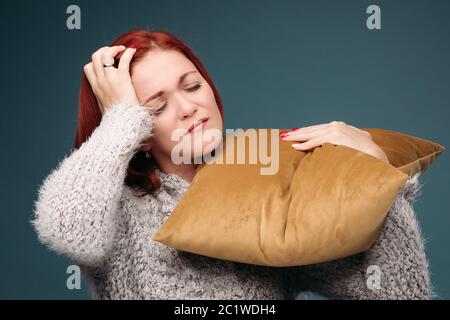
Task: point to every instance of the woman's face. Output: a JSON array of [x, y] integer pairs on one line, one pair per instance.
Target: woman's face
[[186, 97]]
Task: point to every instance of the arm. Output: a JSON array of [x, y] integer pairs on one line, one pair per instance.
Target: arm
[[77, 202], [397, 259]]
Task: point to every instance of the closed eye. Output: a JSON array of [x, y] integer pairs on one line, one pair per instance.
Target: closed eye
[[194, 88], [191, 89], [160, 110]]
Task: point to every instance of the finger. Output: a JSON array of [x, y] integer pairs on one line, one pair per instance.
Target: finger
[[97, 61], [124, 62], [307, 129], [90, 75], [109, 54], [301, 135], [88, 70], [315, 142]]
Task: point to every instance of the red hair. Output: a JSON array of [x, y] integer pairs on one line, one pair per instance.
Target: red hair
[[140, 173]]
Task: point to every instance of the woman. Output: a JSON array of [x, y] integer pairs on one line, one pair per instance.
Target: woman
[[103, 202]]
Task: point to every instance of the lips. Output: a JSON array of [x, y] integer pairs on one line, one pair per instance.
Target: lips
[[197, 123]]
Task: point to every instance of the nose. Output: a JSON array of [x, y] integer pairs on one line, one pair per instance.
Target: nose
[[185, 107]]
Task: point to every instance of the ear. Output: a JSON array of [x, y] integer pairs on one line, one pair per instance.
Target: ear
[[147, 145]]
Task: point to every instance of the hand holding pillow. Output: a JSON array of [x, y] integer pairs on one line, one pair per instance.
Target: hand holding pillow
[[335, 132]]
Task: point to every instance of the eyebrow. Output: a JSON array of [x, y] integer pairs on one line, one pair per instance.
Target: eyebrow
[[160, 93]]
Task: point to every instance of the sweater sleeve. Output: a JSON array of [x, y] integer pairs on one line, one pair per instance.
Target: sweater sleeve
[[395, 267], [74, 213]]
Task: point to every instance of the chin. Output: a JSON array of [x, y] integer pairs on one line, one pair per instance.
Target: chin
[[206, 148]]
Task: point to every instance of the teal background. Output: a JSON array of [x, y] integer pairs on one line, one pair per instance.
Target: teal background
[[275, 63]]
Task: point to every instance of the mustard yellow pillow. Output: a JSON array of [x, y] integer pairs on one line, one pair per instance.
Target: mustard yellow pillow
[[320, 205], [408, 153]]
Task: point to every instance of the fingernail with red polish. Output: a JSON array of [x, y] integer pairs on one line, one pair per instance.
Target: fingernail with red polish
[[295, 129]]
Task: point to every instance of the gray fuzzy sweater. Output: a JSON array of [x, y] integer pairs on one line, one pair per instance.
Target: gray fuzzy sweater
[[85, 212]]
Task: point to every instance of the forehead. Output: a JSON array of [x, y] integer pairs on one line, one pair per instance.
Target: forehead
[[160, 67]]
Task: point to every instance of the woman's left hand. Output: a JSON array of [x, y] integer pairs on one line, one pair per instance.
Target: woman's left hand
[[335, 132]]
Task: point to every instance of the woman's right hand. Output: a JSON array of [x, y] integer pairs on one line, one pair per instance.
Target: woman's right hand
[[111, 85]]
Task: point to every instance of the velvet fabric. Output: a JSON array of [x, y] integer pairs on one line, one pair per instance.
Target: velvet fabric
[[320, 205]]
